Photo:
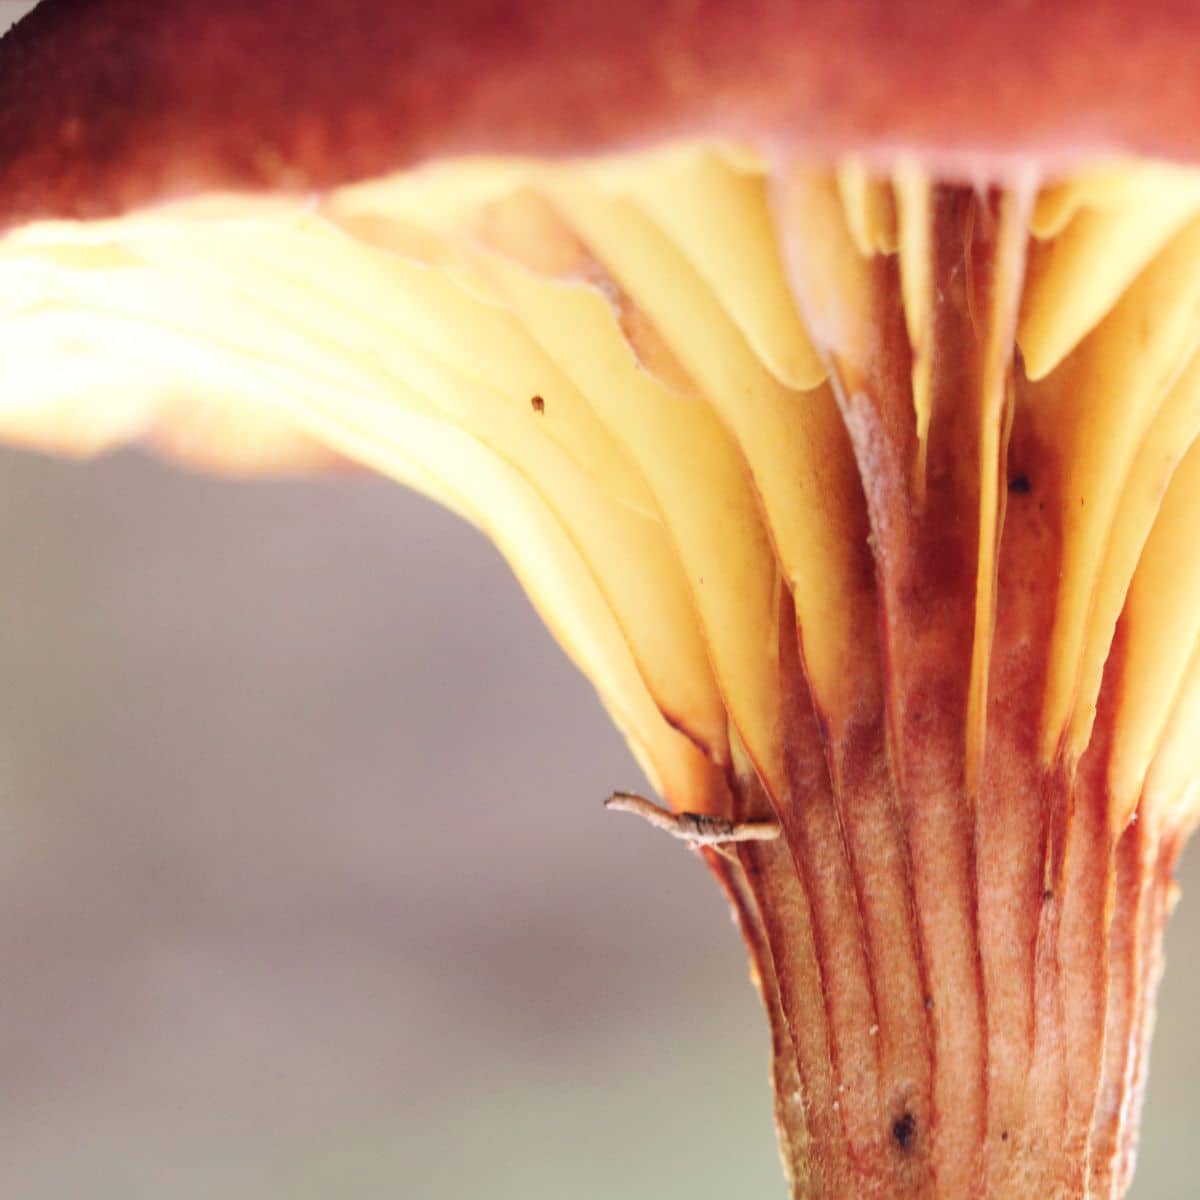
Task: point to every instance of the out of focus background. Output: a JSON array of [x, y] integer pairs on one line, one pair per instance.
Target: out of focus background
[[305, 887]]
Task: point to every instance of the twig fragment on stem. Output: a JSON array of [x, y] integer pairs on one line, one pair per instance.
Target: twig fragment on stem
[[697, 829]]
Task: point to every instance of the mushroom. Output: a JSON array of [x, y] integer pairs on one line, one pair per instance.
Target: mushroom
[[827, 375]]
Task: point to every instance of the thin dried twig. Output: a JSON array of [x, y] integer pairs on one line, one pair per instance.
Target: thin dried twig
[[697, 829]]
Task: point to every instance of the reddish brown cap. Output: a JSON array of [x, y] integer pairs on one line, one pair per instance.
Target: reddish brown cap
[[105, 104]]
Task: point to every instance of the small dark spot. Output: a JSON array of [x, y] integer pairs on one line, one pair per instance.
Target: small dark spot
[[905, 1131], [928, 1003], [1004, 1136], [537, 404], [1019, 484], [1047, 896]]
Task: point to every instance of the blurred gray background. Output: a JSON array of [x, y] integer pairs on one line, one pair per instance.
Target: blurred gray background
[[305, 888]]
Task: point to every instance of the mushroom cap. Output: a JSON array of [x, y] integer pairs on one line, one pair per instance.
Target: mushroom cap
[[108, 104]]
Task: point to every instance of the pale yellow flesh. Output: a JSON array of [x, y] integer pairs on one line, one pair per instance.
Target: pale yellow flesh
[[609, 368]]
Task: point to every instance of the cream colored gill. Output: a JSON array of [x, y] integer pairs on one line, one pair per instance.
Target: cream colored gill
[[870, 205], [1102, 186], [305, 266], [1078, 275], [794, 443], [1094, 411], [301, 239], [832, 278], [1162, 632], [1175, 426], [716, 210], [914, 203], [688, 458], [435, 198], [995, 401], [628, 550], [712, 197]]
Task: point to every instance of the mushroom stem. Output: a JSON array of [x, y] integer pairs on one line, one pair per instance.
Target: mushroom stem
[[1050, 1100], [697, 829]]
